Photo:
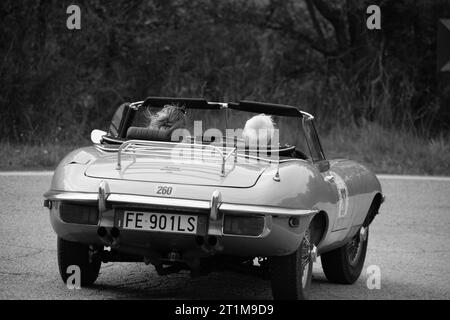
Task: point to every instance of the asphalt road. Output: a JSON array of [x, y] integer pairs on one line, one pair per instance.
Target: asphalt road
[[409, 242]]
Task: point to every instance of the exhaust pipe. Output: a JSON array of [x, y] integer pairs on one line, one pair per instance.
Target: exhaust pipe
[[115, 233], [104, 236], [212, 241], [209, 244]]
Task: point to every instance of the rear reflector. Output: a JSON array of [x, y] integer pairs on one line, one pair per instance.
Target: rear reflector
[[246, 226], [75, 213]]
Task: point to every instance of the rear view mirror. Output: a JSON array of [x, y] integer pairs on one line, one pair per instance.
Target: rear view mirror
[[97, 135]]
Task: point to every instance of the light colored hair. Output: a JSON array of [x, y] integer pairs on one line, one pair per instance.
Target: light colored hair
[[259, 129], [169, 117]]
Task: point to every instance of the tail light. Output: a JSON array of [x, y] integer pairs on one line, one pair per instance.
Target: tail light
[[242, 225], [81, 214]]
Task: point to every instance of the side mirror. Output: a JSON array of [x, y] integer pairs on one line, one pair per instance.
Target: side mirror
[[97, 135], [323, 165]]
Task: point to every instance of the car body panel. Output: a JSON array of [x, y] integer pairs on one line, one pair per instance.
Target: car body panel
[[287, 193], [156, 169], [307, 190]]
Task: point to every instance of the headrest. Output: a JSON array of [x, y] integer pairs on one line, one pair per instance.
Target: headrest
[[152, 134]]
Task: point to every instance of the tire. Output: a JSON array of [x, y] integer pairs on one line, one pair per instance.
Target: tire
[[288, 279], [344, 265], [72, 253]]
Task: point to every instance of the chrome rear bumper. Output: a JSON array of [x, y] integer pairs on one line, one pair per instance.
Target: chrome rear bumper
[[278, 237]]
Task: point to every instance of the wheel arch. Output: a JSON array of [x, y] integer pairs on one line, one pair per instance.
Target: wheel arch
[[319, 226], [378, 199]]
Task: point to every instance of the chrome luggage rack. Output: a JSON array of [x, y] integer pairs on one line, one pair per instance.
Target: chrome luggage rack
[[178, 151]]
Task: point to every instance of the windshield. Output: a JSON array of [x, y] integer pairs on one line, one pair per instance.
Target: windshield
[[249, 131]]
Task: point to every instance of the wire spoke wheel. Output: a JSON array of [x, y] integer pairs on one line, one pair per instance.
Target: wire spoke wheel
[[305, 258], [344, 264], [354, 249], [81, 255], [291, 274]]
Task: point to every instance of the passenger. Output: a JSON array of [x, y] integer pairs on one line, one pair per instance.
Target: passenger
[[259, 131], [169, 118]]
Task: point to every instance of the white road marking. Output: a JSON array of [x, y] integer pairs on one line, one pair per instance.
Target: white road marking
[[407, 177], [380, 176], [25, 173]]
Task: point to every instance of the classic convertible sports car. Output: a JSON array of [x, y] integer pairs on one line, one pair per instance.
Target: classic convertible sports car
[[180, 197]]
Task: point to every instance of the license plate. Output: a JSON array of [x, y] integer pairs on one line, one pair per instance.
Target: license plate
[[162, 222]]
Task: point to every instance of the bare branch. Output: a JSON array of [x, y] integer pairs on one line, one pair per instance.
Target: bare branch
[[287, 27], [295, 34], [316, 24], [335, 16]]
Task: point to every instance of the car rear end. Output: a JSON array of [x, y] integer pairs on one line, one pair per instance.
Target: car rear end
[[143, 210]]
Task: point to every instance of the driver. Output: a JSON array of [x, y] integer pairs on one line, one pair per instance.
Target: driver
[[260, 130]]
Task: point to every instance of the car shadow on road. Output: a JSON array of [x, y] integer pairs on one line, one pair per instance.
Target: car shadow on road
[[217, 285], [132, 281], [236, 286]]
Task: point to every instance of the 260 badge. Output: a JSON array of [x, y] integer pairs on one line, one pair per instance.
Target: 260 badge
[[164, 190]]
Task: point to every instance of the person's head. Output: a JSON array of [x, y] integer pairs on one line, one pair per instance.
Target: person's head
[[259, 130], [169, 117]]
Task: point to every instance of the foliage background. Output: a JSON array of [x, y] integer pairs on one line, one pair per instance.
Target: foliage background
[[365, 87]]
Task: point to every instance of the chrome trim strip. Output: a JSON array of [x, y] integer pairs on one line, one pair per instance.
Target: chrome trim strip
[[263, 210], [149, 200], [136, 104], [223, 105], [229, 208], [307, 115], [71, 196], [103, 190], [215, 224], [215, 202]]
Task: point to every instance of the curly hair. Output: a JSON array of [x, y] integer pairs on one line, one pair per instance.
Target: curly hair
[[169, 117]]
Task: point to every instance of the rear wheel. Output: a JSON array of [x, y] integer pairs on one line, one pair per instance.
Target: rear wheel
[[344, 264], [81, 255], [291, 275]]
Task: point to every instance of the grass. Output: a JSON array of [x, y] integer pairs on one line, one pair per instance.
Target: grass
[[390, 151], [382, 150], [32, 157]]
